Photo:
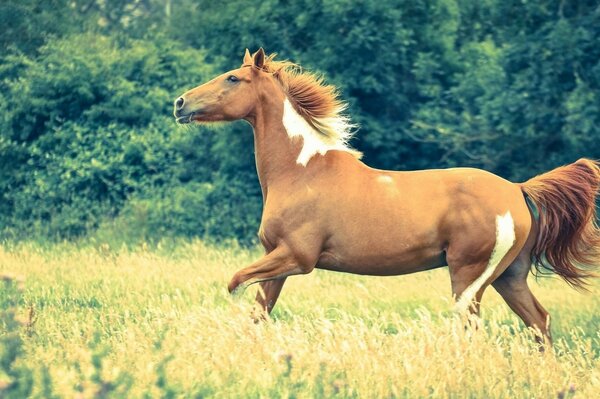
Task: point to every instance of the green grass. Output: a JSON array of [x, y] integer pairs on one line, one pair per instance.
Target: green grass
[[96, 322]]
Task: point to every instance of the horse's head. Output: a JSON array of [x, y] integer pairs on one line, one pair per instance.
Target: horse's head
[[227, 97]]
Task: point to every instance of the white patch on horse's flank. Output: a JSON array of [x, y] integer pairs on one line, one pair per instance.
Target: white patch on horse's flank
[[313, 141], [385, 179], [505, 238]]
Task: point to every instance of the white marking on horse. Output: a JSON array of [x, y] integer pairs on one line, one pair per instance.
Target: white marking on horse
[[313, 141], [505, 238], [384, 179]]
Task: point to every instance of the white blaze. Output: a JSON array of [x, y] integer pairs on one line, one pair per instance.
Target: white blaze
[[313, 141], [505, 238]]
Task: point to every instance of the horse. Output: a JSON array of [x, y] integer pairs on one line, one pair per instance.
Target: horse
[[324, 208]]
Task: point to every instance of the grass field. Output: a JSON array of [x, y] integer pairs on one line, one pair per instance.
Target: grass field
[[95, 322]]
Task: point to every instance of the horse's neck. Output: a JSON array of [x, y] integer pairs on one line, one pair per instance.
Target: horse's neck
[[276, 153]]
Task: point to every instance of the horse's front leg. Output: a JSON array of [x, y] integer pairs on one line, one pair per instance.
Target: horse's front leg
[[268, 293], [277, 264]]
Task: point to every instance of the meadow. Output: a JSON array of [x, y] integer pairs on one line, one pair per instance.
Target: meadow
[[94, 321]]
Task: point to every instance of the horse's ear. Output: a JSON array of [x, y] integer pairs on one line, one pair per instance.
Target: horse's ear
[[259, 58], [247, 58]]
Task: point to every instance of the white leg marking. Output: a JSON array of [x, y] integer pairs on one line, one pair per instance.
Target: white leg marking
[[505, 238], [313, 141]]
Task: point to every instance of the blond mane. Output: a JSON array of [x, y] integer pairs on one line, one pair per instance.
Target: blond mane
[[317, 102]]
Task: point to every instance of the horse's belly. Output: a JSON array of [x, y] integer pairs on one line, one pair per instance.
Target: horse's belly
[[392, 241], [383, 263]]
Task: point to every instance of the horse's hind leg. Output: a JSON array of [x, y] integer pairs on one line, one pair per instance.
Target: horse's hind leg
[[512, 286], [465, 290], [477, 258]]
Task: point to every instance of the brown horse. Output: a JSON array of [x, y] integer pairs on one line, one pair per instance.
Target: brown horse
[[324, 208]]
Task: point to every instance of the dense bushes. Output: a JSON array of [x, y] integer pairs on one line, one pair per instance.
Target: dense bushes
[[496, 84], [92, 138], [87, 140]]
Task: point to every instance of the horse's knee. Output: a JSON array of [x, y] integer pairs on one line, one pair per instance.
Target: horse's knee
[[234, 285]]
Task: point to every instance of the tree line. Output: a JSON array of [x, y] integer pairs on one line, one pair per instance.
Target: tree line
[[88, 145]]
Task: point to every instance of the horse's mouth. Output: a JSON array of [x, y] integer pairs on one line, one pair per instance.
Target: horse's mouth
[[182, 120]]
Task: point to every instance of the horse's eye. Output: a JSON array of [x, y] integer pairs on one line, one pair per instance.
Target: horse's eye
[[232, 78]]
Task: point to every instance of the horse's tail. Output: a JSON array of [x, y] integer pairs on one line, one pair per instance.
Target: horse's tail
[[568, 239]]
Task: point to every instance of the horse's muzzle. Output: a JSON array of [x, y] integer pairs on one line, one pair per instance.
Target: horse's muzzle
[[180, 115]]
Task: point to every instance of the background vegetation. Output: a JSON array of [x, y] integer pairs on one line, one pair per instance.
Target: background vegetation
[[89, 150], [88, 146]]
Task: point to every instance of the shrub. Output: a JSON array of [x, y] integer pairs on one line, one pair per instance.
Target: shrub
[[95, 140]]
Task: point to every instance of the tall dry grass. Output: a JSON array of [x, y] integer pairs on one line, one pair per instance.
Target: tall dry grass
[[159, 323]]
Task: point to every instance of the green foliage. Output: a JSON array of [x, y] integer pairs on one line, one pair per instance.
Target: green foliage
[[16, 380], [26, 24], [95, 141], [209, 210], [493, 84], [88, 144], [119, 387], [512, 109]]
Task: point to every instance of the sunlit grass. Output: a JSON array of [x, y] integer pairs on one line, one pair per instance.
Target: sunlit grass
[[160, 323]]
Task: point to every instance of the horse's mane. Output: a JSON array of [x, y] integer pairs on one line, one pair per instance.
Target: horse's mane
[[317, 102]]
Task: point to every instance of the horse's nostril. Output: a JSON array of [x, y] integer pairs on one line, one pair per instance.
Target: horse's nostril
[[179, 103]]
